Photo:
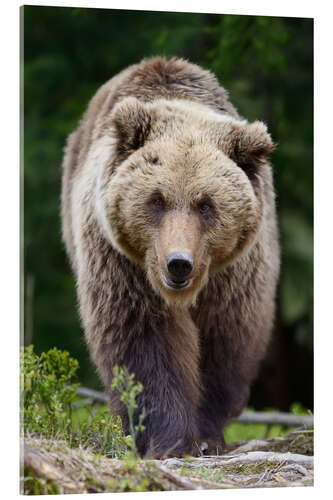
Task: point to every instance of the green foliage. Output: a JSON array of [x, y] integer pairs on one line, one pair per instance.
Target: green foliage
[[51, 409], [97, 429], [238, 431], [48, 390], [129, 390], [50, 405], [298, 409]]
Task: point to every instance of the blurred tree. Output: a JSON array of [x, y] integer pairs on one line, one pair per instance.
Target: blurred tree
[[266, 63]]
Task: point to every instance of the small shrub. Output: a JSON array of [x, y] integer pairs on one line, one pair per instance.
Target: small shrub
[[48, 391], [48, 405], [95, 428]]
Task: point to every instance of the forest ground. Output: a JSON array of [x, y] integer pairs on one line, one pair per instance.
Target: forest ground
[[52, 467]]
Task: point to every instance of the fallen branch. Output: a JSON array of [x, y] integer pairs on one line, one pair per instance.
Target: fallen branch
[[276, 418], [45, 465], [269, 418], [297, 441], [250, 457], [267, 456], [98, 396]]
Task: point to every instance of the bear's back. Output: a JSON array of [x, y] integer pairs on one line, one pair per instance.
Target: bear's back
[[152, 79], [174, 78]]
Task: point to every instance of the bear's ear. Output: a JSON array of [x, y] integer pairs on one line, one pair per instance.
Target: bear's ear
[[131, 121], [247, 144]]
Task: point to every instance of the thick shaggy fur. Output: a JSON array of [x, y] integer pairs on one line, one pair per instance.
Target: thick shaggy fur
[[162, 162]]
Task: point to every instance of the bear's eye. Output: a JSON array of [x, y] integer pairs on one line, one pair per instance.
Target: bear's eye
[[157, 202], [205, 208]]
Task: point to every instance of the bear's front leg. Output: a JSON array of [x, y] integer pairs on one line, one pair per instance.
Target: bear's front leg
[[164, 359], [161, 349], [169, 400]]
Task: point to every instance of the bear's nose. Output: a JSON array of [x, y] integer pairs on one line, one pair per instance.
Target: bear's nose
[[180, 265]]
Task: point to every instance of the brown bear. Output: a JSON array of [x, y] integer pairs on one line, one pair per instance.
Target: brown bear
[[169, 220]]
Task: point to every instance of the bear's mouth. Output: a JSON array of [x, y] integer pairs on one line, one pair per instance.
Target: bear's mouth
[[176, 285]]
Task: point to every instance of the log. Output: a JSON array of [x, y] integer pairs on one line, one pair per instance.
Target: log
[[276, 418], [249, 417], [98, 396]]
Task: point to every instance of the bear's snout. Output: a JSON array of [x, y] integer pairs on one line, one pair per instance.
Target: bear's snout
[[179, 265]]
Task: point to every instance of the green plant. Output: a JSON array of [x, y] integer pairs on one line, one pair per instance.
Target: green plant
[[100, 431], [298, 409], [48, 390], [51, 408], [129, 390]]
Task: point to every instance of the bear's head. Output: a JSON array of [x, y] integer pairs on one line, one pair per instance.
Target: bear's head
[[183, 194]]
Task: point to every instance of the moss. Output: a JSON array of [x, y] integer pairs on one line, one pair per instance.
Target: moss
[[137, 477], [220, 473], [249, 469], [215, 474], [128, 484], [300, 442]]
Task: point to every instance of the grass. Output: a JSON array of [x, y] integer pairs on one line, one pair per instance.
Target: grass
[[238, 431]]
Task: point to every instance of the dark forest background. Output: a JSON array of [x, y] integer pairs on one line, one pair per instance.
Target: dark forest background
[[266, 63]]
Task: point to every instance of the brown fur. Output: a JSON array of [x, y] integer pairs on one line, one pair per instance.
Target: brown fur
[[162, 162]]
